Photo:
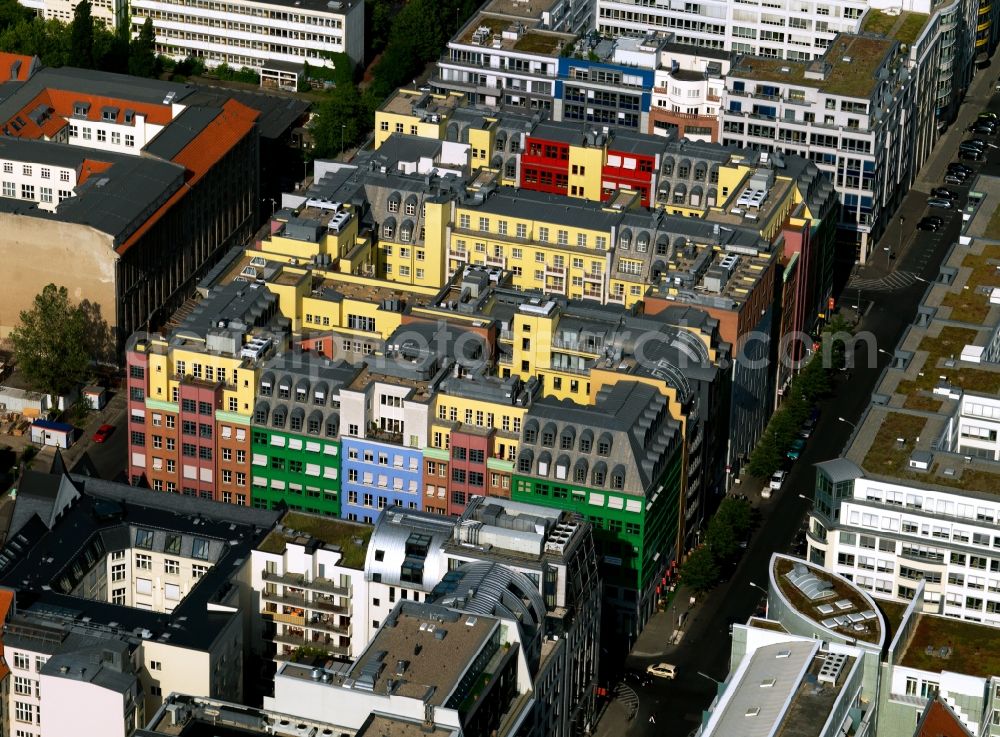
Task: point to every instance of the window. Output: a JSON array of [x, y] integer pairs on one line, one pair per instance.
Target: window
[[144, 539], [21, 661], [173, 544], [24, 712], [155, 665], [198, 571], [143, 562], [118, 572], [199, 549], [171, 566]]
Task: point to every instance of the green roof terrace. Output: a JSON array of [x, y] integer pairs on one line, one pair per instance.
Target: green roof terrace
[[848, 67], [297, 527], [942, 643], [904, 27]]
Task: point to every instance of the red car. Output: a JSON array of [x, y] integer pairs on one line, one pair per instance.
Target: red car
[[103, 432]]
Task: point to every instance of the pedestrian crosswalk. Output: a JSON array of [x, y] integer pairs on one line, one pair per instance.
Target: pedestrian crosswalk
[[628, 698], [889, 283]]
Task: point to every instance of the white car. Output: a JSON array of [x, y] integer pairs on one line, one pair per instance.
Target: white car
[[663, 670], [777, 479]]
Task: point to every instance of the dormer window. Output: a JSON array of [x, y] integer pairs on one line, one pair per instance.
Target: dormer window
[[129, 116], [109, 114], [81, 109]]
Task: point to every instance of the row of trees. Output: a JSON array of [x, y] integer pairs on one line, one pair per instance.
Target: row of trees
[[406, 37], [80, 43], [729, 527], [811, 384]]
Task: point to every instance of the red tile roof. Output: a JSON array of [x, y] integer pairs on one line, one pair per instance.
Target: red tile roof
[[6, 601], [941, 721], [216, 140], [60, 105], [89, 168], [7, 62]]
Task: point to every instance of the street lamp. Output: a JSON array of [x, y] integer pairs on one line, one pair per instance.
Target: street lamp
[[705, 675], [803, 496], [842, 419], [342, 127], [899, 241], [756, 586]]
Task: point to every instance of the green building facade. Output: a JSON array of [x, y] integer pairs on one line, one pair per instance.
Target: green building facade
[[299, 471], [619, 465]]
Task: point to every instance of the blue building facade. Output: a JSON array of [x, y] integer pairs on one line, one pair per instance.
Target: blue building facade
[[376, 474], [603, 93]]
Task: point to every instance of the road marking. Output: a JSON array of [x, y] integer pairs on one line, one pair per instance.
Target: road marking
[[889, 283]]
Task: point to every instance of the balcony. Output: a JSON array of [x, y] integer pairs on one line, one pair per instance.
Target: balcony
[[617, 298], [460, 255], [317, 641], [328, 624], [506, 335], [297, 619], [286, 598], [329, 586], [496, 261], [290, 579], [298, 580], [593, 276], [555, 270], [325, 605], [577, 345]]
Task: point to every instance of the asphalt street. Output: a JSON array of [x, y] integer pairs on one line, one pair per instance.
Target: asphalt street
[[888, 293]]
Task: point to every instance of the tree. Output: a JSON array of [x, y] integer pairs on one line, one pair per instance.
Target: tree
[[12, 13], [767, 455], [721, 539], [82, 36], [53, 344], [729, 526], [382, 14], [700, 571], [48, 40], [339, 118], [736, 514], [142, 52]]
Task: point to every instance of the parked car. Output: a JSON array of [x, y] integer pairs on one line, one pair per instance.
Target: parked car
[[777, 479], [970, 155], [957, 168], [943, 193], [663, 670], [973, 144], [637, 677], [986, 114], [928, 224], [982, 128], [795, 451], [954, 179], [939, 202], [808, 427], [103, 432]]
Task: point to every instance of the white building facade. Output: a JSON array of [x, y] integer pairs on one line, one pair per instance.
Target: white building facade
[[784, 29], [243, 33], [887, 536]]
